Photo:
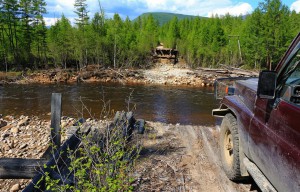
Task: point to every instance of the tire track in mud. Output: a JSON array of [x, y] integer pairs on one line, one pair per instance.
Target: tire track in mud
[[182, 158]]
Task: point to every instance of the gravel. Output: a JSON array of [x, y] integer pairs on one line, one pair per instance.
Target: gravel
[[28, 138]]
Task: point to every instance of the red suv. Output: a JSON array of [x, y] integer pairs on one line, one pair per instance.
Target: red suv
[[260, 130]]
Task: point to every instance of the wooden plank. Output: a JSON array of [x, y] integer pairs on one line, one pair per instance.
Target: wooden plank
[[123, 122], [18, 168], [55, 119], [60, 159], [48, 154]]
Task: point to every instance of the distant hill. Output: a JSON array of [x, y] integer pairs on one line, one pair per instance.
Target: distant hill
[[163, 18]]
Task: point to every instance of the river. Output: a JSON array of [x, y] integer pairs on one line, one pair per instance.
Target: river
[[182, 105]]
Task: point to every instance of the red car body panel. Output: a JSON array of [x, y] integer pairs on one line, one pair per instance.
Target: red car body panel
[[269, 129], [274, 144]]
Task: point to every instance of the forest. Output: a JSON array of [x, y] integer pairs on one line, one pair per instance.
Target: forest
[[257, 40]]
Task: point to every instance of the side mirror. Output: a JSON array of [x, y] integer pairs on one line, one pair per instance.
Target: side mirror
[[267, 84]]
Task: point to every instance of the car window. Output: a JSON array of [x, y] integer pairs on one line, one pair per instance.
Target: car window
[[293, 70], [291, 86]]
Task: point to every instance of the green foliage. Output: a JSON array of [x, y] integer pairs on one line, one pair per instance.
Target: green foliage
[[164, 18], [257, 40], [98, 165], [82, 13], [60, 38], [23, 32], [268, 33]]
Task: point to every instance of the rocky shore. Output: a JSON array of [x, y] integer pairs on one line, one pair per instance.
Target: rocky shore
[[28, 138], [161, 74], [22, 137]]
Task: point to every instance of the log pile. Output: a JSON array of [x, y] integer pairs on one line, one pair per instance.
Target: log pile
[[229, 72]]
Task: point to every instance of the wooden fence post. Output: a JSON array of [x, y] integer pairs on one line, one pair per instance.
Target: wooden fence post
[[55, 119]]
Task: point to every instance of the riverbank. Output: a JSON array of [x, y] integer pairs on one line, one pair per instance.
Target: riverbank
[[160, 74], [174, 157], [29, 137]]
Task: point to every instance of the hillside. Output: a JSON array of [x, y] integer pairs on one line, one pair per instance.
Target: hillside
[[163, 18]]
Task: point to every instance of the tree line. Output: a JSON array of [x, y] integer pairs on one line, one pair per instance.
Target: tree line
[[257, 40]]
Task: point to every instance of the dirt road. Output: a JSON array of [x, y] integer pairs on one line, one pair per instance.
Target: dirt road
[[183, 158]]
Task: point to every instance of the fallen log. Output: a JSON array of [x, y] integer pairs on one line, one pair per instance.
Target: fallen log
[[16, 168], [245, 73], [231, 70], [123, 125], [60, 160]]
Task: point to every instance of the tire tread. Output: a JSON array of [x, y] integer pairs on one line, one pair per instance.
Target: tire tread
[[229, 123]]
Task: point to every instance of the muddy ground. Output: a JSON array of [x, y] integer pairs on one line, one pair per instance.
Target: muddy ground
[[173, 158], [184, 158]]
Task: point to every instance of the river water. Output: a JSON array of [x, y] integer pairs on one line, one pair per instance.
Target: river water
[[182, 105]]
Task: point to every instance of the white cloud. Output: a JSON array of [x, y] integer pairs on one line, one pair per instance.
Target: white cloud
[[134, 8], [236, 10], [58, 8], [66, 3], [296, 6], [189, 7], [50, 21]]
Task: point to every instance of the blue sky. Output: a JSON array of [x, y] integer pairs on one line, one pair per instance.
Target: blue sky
[[134, 8]]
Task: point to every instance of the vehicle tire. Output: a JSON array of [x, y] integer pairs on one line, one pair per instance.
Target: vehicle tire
[[229, 147]]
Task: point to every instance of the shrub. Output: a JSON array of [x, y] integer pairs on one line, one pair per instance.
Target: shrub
[[103, 162]]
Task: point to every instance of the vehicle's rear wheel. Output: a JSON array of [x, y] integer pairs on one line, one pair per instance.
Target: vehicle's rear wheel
[[229, 146]]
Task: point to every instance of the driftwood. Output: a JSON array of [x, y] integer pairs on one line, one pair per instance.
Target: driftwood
[[20, 168], [239, 71], [116, 72], [16, 168], [60, 159], [230, 71], [245, 73], [123, 121]]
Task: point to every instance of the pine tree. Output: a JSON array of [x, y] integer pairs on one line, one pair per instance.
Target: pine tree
[[274, 20], [98, 38], [294, 23], [172, 34], [8, 31], [26, 32], [148, 34], [82, 13], [39, 32], [114, 31], [81, 22], [60, 41]]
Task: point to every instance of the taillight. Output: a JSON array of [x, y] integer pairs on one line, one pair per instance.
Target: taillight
[[229, 90]]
